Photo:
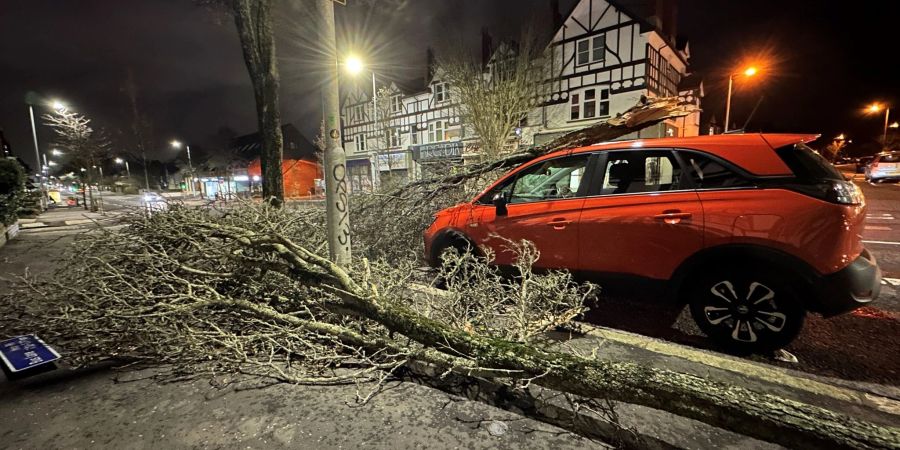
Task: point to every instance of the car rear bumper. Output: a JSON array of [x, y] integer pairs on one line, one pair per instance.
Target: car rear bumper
[[851, 287]]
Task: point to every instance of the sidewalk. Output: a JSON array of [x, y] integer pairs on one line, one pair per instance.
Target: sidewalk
[[64, 216]]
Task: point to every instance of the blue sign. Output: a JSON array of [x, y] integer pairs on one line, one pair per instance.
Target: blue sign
[[25, 352]]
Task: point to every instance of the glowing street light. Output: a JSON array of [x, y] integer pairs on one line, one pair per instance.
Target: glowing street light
[[354, 65], [58, 106], [876, 107], [56, 152], [127, 169], [748, 72], [894, 125]]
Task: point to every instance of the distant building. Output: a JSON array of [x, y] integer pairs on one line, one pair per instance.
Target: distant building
[[300, 165], [604, 54]]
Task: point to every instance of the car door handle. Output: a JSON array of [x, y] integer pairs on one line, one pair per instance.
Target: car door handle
[[673, 217], [559, 223]]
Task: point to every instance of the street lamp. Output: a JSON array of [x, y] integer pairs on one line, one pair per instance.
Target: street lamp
[[748, 72], [876, 107], [127, 169], [177, 144]]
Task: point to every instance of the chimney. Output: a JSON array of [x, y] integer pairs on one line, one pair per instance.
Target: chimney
[[429, 65], [487, 47], [554, 13]]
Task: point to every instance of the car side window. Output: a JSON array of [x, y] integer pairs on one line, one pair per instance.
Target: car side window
[[554, 179], [631, 172], [707, 173]]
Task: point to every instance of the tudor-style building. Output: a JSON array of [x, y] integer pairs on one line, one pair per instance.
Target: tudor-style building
[[603, 55]]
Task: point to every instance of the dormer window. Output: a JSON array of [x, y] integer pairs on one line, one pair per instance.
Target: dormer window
[[441, 93], [591, 50]]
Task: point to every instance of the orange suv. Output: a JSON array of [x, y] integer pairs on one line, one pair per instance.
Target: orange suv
[[751, 231]]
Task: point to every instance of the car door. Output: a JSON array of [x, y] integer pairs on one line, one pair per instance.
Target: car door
[[640, 216], [543, 206]]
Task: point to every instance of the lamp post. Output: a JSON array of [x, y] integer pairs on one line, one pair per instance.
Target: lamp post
[[337, 205], [100, 190], [875, 107], [177, 144], [748, 72], [58, 106]]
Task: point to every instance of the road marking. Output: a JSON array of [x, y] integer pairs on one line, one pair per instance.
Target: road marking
[[882, 242], [873, 227], [891, 281]]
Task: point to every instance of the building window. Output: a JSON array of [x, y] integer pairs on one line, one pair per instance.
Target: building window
[[396, 104], [393, 137], [591, 50], [437, 131], [441, 93], [361, 143], [413, 135], [590, 103], [576, 107], [357, 113], [593, 103]]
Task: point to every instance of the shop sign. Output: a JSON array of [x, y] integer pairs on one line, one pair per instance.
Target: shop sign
[[437, 151]]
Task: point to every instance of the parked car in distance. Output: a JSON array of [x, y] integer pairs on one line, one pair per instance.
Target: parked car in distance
[[750, 231], [152, 202], [863, 162], [885, 166]]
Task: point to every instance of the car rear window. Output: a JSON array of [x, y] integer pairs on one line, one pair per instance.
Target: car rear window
[[892, 158], [807, 164]]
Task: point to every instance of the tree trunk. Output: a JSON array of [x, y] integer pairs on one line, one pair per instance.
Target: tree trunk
[[762, 416], [256, 31]]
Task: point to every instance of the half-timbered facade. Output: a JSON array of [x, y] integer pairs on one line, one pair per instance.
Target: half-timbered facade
[[603, 56]]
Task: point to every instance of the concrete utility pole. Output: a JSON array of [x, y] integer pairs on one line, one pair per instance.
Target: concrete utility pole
[[337, 200]]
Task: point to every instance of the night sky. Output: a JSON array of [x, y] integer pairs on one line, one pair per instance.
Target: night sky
[[824, 64]]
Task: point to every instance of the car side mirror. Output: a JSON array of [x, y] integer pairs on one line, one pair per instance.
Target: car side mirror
[[500, 203]]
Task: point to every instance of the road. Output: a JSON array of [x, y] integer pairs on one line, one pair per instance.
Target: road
[[860, 346]]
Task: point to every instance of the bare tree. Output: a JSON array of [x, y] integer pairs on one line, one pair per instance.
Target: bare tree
[[84, 147], [256, 31], [494, 98], [385, 135]]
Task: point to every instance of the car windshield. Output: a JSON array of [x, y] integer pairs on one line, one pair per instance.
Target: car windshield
[[807, 164], [889, 158]]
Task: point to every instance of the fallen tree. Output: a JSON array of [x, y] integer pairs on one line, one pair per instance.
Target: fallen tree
[[245, 291]]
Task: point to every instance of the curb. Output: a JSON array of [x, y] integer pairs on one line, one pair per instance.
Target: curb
[[791, 379]]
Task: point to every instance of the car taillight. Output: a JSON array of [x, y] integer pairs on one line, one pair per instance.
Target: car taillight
[[834, 191]]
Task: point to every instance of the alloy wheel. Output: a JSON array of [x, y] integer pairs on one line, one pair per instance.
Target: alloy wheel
[[745, 312]]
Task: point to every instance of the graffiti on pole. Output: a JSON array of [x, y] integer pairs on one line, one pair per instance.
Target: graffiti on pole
[[342, 200]]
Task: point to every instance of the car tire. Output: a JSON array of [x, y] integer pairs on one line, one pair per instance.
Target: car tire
[[745, 309]]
